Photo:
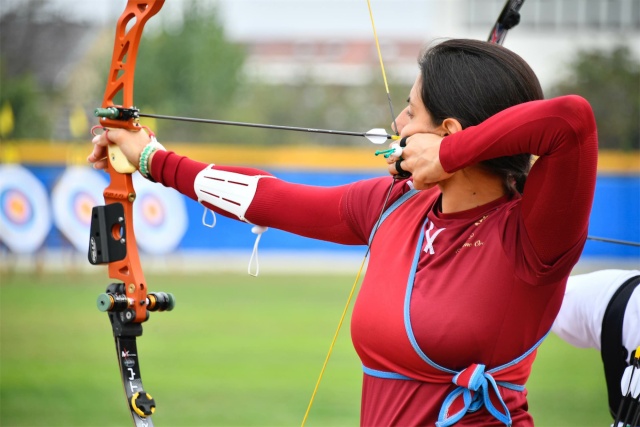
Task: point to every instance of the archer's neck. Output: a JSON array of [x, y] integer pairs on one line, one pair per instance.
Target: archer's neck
[[469, 188]]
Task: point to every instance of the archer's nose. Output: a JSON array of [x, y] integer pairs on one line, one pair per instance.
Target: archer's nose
[[399, 122]]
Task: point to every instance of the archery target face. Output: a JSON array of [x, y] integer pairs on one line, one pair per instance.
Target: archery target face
[[17, 207], [160, 217], [75, 194], [25, 218]]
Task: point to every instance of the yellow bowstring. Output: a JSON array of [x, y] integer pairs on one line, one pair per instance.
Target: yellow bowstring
[[335, 338], [355, 283], [346, 307], [384, 75]]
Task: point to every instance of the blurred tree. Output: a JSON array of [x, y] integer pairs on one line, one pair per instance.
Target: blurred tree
[[195, 71], [22, 94], [610, 80], [37, 45], [313, 105], [186, 66], [191, 71]]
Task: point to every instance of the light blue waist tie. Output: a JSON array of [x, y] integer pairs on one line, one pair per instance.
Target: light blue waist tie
[[474, 386]]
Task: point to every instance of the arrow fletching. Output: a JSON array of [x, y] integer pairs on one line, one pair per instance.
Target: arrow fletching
[[378, 136], [630, 383], [634, 387]]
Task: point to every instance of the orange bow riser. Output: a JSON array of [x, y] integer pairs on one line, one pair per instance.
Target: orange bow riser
[[112, 238], [120, 190]]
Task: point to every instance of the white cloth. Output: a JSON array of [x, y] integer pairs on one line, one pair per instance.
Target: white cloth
[[230, 191], [580, 319]]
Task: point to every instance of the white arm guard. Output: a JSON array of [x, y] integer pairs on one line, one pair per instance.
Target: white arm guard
[[232, 192]]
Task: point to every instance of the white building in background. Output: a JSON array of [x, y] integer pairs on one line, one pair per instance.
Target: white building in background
[[332, 40]]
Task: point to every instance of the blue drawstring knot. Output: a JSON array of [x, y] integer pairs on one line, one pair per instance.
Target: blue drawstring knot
[[473, 386]]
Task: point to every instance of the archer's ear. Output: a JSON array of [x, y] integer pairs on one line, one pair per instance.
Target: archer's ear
[[450, 126]]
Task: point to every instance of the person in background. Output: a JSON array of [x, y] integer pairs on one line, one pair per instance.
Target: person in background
[[601, 310], [469, 257]]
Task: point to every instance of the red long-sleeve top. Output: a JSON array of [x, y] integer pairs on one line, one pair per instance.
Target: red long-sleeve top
[[487, 283]]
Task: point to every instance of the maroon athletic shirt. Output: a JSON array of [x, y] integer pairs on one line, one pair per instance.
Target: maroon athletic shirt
[[460, 294]]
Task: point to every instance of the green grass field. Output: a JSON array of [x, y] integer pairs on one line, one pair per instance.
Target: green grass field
[[236, 351]]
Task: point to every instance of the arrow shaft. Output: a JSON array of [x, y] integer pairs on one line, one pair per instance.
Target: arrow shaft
[[619, 242], [259, 125]]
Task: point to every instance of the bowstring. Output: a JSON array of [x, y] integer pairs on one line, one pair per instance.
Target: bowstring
[[346, 307], [384, 74], [375, 229]]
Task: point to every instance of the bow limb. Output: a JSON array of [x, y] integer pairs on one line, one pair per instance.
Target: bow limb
[[509, 17]]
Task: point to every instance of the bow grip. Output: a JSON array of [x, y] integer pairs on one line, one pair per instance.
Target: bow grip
[[118, 161], [117, 117]]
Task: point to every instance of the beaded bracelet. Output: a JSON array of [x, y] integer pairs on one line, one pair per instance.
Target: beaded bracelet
[[145, 156]]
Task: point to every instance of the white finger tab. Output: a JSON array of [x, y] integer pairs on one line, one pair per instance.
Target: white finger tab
[[397, 150]]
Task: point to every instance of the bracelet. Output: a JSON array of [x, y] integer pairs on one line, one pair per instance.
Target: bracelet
[[145, 156]]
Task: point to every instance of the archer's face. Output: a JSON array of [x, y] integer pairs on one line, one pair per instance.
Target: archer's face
[[415, 118]]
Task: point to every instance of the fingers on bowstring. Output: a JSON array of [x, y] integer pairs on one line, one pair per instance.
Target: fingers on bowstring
[[401, 172]]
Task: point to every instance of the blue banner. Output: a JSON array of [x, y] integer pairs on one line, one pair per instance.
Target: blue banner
[[616, 215]]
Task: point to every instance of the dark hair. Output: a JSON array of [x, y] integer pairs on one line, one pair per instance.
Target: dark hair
[[470, 81]]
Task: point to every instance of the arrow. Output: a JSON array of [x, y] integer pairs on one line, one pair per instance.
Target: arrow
[[616, 241], [376, 136]]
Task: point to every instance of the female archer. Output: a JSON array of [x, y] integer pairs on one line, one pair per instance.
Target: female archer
[[470, 258]]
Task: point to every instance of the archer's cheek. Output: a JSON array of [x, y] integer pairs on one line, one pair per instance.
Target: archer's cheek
[[400, 121]]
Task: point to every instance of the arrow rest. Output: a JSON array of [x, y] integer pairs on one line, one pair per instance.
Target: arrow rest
[[118, 113]]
